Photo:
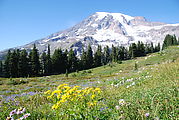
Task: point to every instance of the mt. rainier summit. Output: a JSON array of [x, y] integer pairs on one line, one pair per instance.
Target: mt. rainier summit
[[103, 28]]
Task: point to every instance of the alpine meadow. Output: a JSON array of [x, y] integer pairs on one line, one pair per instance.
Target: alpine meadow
[[109, 66]]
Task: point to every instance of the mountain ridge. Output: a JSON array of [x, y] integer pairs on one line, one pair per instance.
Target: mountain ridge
[[104, 28]]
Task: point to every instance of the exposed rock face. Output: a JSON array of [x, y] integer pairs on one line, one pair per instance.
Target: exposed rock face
[[104, 28]]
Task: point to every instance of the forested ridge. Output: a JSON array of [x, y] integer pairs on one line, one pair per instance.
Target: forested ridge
[[20, 63]]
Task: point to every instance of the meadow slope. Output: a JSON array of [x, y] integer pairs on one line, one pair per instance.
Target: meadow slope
[[145, 88]]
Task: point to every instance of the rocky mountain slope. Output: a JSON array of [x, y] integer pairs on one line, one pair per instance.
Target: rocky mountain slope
[[104, 28]]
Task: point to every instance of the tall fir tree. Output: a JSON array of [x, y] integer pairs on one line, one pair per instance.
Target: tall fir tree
[[43, 63], [89, 57], [114, 54], [121, 53], [72, 61], [140, 49], [133, 50], [48, 62], [23, 64], [57, 61], [1, 69], [157, 48], [13, 64], [83, 61], [6, 64], [168, 41], [107, 57], [174, 40], [65, 61], [151, 47], [126, 54], [98, 57], [34, 61]]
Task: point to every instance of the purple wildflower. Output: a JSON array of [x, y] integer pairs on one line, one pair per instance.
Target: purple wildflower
[[147, 114], [26, 115], [12, 113], [20, 111]]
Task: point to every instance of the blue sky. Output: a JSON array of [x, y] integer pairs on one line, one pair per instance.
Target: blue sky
[[23, 21]]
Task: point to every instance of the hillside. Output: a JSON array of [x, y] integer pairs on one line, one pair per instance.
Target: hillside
[[142, 88]]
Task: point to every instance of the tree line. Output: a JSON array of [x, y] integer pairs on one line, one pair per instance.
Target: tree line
[[169, 41], [20, 63]]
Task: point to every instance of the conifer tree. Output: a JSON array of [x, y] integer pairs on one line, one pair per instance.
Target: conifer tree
[[146, 48], [1, 69], [168, 41], [6, 64], [133, 50], [118, 54], [151, 48], [158, 47], [17, 59], [23, 64], [121, 53], [126, 54], [13, 64], [65, 61], [83, 60], [140, 49], [107, 58], [89, 57], [114, 54], [48, 62], [72, 61], [98, 57], [34, 61], [174, 40], [43, 63], [102, 58], [57, 61]]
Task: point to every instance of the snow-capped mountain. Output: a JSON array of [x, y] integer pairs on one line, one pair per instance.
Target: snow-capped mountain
[[103, 28]]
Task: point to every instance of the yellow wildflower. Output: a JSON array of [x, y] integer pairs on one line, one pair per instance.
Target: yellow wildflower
[[48, 97], [54, 106], [93, 96], [69, 95], [66, 87], [65, 96], [71, 91], [56, 91], [97, 90], [62, 85], [76, 86], [91, 104], [62, 101], [79, 91], [47, 92]]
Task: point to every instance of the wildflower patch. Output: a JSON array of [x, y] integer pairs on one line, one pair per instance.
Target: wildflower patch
[[73, 98]]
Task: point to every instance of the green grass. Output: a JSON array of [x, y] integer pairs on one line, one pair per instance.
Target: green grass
[[153, 89]]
